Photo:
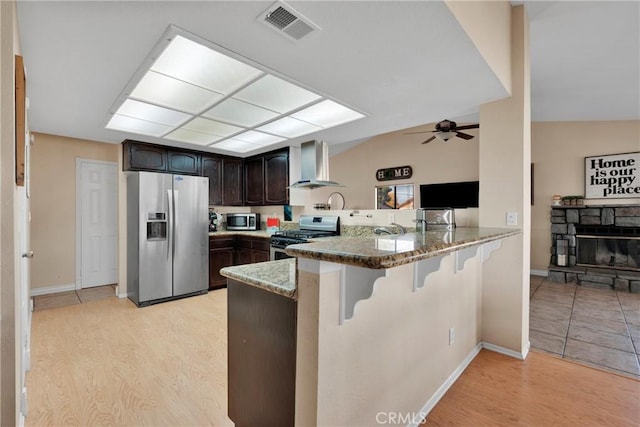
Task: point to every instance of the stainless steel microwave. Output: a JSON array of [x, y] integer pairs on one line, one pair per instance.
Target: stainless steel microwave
[[243, 221]]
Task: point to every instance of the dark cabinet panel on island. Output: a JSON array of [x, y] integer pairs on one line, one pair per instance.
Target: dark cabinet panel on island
[[261, 329]]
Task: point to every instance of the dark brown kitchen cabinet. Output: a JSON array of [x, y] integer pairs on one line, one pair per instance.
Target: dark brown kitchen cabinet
[[232, 182], [261, 375], [221, 254], [137, 156], [254, 180], [250, 249], [266, 179], [276, 178], [183, 162], [212, 169]]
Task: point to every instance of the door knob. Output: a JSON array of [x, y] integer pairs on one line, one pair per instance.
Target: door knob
[[27, 254]]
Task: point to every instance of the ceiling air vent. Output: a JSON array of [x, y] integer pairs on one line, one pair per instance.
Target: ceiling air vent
[[286, 20]]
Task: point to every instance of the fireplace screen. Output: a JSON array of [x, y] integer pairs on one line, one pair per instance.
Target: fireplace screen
[[608, 252]]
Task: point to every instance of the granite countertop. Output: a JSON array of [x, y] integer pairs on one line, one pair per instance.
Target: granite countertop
[[393, 250], [256, 233], [274, 276]]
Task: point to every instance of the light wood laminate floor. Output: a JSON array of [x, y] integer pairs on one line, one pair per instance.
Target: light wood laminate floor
[[111, 363], [497, 390]]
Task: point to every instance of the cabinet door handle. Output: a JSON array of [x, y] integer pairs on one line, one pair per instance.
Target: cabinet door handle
[[27, 254]]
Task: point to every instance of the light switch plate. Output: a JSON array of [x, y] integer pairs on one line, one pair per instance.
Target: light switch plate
[[512, 218]]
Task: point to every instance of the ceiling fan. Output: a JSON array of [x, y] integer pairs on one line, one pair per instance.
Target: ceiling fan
[[447, 129]]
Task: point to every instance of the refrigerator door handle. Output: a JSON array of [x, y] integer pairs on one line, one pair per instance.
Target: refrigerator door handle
[[170, 225], [175, 221]]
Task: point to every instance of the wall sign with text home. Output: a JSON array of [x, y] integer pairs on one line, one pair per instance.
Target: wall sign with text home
[[612, 176], [399, 172]]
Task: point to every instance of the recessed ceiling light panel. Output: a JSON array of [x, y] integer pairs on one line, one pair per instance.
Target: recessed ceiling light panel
[[193, 137], [276, 94], [258, 138], [132, 124], [169, 92], [290, 128], [240, 113], [212, 127], [144, 111], [327, 114], [192, 91], [199, 65], [236, 145]]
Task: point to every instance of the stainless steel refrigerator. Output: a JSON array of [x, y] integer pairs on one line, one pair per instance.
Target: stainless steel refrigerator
[[167, 236]]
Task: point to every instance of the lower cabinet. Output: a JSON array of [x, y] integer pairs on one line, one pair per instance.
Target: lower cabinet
[[251, 249], [221, 254], [225, 251]]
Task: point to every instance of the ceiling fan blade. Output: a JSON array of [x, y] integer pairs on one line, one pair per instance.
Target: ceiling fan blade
[[463, 135], [476, 126], [430, 139], [422, 131]]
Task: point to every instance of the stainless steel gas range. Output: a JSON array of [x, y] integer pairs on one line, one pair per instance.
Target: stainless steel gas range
[[310, 227]]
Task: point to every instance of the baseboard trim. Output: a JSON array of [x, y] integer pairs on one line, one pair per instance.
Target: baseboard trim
[[122, 295], [544, 273], [506, 351], [52, 289], [445, 386]]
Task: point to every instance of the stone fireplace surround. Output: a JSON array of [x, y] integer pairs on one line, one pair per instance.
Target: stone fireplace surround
[[565, 219]]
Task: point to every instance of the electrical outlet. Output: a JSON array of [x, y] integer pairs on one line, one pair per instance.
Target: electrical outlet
[[392, 218], [512, 218], [452, 336]]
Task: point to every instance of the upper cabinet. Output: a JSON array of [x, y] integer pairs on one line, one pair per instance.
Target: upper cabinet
[[138, 156], [266, 178], [232, 182], [276, 178], [212, 169], [255, 181], [183, 162]]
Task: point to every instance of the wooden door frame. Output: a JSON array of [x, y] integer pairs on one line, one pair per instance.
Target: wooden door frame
[[79, 163]]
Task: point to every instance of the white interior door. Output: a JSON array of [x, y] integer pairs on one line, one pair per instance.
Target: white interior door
[[24, 225], [98, 215]]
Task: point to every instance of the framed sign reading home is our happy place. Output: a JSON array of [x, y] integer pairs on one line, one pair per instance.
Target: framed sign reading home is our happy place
[[612, 176]]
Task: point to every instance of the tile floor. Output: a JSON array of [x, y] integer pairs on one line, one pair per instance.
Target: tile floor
[[593, 326], [63, 299]]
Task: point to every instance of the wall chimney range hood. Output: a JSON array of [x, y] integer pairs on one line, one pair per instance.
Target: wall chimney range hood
[[314, 164]]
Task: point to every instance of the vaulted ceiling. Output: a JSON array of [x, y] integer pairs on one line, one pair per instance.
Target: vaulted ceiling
[[402, 64]]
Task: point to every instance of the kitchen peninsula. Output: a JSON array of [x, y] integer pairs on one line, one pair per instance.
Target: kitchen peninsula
[[355, 327]]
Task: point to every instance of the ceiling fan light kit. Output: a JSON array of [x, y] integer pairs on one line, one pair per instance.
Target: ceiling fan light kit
[[447, 129]]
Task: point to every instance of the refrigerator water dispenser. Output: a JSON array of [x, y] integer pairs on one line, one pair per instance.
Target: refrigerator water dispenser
[[157, 226]]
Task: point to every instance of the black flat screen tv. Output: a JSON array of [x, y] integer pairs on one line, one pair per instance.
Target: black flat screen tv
[[450, 195]]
